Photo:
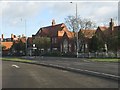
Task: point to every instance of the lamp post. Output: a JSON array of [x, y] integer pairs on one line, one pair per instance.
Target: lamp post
[[76, 31], [25, 35], [26, 38], [25, 26]]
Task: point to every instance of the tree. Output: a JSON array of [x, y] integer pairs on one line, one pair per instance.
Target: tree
[[18, 48], [3, 47], [113, 43], [118, 40], [96, 44], [42, 43], [79, 23], [71, 22]]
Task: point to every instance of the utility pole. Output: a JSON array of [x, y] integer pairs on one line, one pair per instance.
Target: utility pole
[[77, 44], [26, 38]]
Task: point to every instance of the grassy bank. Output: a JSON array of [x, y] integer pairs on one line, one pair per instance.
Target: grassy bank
[[105, 60], [92, 59], [15, 59]]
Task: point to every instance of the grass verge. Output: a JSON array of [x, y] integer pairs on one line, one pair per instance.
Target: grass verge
[[105, 60], [15, 59]]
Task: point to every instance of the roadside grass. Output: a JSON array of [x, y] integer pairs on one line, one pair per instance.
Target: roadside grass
[[15, 59], [105, 60], [91, 59]]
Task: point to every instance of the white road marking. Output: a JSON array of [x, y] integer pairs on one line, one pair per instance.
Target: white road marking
[[100, 73], [15, 66], [65, 58], [86, 61], [64, 71], [84, 70]]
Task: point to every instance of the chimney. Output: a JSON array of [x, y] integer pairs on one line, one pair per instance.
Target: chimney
[[12, 36], [23, 35], [2, 36], [53, 22], [111, 25]]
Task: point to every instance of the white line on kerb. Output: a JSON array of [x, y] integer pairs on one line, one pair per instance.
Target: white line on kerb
[[84, 70], [95, 72], [15, 66]]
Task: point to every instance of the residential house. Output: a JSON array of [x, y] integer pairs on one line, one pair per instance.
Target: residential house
[[30, 46], [61, 38], [85, 37], [106, 34], [7, 43]]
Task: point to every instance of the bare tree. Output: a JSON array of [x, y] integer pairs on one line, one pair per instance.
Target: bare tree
[[77, 24], [87, 24], [74, 23]]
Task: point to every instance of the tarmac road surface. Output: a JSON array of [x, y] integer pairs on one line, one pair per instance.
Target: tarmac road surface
[[23, 75], [81, 63]]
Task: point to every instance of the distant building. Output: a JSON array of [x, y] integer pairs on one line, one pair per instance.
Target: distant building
[[7, 43]]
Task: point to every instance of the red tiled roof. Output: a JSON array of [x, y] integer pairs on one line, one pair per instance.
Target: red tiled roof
[[103, 28], [107, 31], [54, 31], [88, 33], [49, 30], [7, 44], [23, 39]]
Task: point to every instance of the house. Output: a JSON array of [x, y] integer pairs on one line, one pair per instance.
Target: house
[[29, 42], [107, 34], [60, 37], [7, 43], [29, 46], [85, 37]]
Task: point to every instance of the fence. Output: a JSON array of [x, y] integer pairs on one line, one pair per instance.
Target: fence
[[100, 55]]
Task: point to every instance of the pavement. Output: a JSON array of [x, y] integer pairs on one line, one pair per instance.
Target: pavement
[[24, 75], [104, 69]]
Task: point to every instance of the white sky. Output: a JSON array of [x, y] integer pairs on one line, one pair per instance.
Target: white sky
[[40, 13]]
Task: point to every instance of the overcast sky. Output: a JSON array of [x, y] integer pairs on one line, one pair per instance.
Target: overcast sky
[[40, 13]]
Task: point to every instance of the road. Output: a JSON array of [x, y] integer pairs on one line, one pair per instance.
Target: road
[[22, 75], [80, 63]]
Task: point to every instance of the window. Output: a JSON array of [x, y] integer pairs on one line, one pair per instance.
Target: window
[[65, 46], [54, 40], [69, 47]]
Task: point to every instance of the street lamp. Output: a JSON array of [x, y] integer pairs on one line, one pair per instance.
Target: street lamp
[[26, 36], [76, 30]]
